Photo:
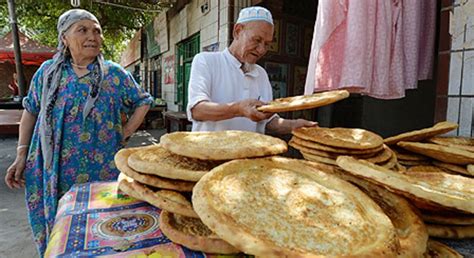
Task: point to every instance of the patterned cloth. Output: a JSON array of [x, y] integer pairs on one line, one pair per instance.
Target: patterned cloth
[[83, 150], [376, 48], [95, 219]]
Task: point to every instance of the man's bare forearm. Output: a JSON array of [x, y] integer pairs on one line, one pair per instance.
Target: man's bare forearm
[[210, 111]]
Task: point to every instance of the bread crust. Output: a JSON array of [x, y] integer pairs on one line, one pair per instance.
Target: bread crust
[[222, 145], [304, 101], [425, 133], [121, 158], [296, 204], [346, 138], [441, 189]]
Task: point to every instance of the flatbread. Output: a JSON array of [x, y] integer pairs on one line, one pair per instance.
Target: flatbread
[[121, 158], [304, 101], [410, 228], [439, 152], [454, 168], [316, 158], [415, 162], [470, 168], [380, 156], [164, 199], [193, 234], [448, 219], [347, 138], [383, 156], [156, 160], [450, 191], [407, 155], [418, 135], [279, 207], [425, 168], [222, 145], [449, 231], [464, 143], [340, 151], [436, 249], [399, 167], [390, 164]]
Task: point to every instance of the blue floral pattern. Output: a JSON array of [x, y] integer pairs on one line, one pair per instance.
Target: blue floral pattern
[[83, 150]]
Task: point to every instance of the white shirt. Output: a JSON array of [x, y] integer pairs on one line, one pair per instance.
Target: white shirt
[[217, 77]]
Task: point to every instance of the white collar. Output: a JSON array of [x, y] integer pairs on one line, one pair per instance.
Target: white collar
[[252, 69]]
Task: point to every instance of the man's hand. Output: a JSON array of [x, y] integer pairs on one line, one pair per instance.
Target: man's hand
[[248, 108], [285, 126], [297, 123]]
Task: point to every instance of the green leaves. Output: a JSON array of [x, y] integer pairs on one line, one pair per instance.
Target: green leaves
[[38, 19]]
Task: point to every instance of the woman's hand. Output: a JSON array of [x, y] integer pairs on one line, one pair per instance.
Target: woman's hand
[[15, 177]]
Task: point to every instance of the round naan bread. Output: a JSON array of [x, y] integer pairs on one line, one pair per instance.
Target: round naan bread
[[156, 160], [440, 152], [279, 207], [436, 249], [445, 190], [407, 155], [337, 151], [304, 101], [418, 135], [450, 231], [448, 219], [346, 138], [222, 145], [454, 168], [121, 158], [168, 200], [410, 228], [464, 143], [193, 234]]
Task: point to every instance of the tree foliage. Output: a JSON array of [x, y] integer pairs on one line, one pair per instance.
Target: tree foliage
[[118, 24]]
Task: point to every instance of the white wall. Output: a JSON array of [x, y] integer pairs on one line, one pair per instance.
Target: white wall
[[212, 26], [461, 75]]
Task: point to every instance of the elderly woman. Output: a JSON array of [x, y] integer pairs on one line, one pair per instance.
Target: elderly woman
[[71, 126]]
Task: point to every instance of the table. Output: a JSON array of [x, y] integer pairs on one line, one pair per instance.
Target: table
[[154, 117], [96, 219], [10, 121], [178, 117]]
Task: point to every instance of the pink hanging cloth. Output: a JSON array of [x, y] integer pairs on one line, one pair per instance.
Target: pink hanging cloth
[[362, 46]]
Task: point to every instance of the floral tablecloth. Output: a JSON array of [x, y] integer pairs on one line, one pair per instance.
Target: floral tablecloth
[[96, 219]]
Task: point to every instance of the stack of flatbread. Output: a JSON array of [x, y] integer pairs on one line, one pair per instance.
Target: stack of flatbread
[[165, 174], [446, 201], [425, 151], [326, 144]]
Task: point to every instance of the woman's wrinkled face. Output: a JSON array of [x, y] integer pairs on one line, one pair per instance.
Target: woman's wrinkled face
[[253, 39], [84, 39]]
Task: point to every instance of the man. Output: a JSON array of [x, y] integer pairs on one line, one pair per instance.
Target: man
[[225, 88]]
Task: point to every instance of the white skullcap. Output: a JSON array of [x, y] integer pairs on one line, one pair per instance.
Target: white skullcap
[[255, 13]]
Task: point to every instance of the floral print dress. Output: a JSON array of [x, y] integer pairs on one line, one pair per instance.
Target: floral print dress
[[83, 150]]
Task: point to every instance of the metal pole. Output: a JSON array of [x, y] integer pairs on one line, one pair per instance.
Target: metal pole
[[16, 48]]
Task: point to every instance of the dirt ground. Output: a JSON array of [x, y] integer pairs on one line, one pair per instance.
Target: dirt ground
[[15, 234]]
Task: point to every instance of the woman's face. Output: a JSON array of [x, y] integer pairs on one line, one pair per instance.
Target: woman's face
[[84, 39]]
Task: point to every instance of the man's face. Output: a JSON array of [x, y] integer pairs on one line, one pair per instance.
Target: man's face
[[252, 40]]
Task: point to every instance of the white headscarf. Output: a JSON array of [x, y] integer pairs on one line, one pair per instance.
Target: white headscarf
[[52, 78]]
